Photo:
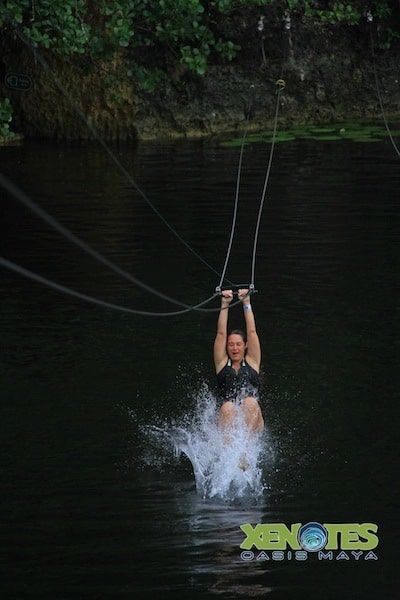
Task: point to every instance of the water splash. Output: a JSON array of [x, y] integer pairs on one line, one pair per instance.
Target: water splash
[[229, 471]]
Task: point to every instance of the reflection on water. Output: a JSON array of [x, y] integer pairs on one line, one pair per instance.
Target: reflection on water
[[93, 507]]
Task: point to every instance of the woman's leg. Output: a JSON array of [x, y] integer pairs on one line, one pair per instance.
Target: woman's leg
[[253, 415], [227, 415]]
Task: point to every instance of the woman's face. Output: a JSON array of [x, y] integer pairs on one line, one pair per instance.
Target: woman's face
[[236, 347]]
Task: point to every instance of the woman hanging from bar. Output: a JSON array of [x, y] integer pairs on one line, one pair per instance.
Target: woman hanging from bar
[[237, 359]]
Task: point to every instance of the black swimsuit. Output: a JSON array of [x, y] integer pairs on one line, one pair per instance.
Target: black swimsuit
[[236, 386]]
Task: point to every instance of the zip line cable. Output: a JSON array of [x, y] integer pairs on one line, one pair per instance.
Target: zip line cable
[[235, 209], [74, 239], [108, 150], [66, 290], [370, 20], [280, 87], [42, 214], [26, 201], [266, 180]]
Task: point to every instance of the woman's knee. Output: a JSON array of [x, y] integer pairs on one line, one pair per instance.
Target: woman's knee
[[227, 409], [253, 414], [250, 404]]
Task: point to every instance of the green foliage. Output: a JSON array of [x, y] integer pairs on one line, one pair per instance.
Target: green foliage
[[350, 13], [182, 27], [119, 27], [225, 6], [50, 24], [67, 27], [6, 113], [147, 79], [354, 132], [391, 36], [340, 12], [158, 33], [13, 10]]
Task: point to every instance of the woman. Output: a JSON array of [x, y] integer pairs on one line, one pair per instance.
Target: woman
[[237, 359]]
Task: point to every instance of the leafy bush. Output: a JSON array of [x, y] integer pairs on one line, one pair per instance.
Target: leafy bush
[[335, 13], [68, 27], [192, 32]]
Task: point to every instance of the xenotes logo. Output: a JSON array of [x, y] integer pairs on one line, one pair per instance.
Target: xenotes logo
[[330, 541]]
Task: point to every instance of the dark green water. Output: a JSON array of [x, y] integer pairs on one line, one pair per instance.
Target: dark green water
[[89, 507]]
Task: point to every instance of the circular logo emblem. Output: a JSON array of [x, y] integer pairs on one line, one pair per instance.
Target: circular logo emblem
[[312, 537], [18, 81]]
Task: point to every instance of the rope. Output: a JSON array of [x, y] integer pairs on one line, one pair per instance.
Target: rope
[[8, 185], [42, 214], [66, 290], [280, 86], [26, 201], [235, 209], [370, 20], [264, 192]]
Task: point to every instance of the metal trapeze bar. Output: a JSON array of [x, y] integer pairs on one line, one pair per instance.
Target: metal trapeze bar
[[235, 287]]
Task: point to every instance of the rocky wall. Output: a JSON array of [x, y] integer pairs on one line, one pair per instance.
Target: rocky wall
[[327, 79]]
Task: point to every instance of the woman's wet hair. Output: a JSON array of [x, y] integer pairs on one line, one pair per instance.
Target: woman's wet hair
[[239, 332]]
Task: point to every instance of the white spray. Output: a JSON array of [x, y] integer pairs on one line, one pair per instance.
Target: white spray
[[227, 467]]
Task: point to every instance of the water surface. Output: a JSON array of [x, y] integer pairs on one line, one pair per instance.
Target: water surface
[[91, 507]]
